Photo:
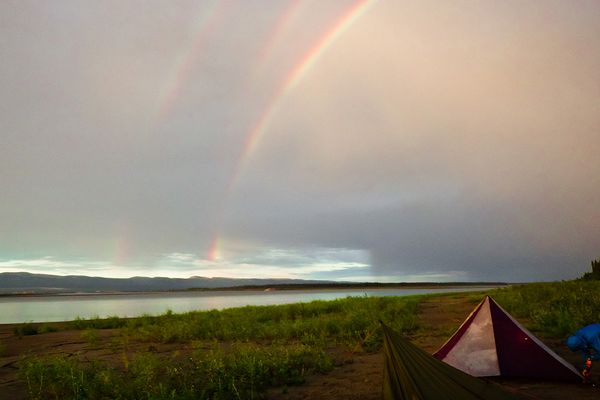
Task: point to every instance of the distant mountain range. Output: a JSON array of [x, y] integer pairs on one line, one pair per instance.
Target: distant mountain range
[[12, 283], [24, 282]]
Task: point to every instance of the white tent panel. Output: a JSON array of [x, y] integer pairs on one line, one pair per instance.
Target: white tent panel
[[475, 353]]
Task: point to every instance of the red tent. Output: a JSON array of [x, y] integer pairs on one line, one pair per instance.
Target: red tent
[[492, 343]]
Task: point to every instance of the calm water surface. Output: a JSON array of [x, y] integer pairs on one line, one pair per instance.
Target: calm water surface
[[69, 307]]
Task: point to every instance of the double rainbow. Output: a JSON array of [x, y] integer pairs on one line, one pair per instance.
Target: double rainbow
[[292, 79]]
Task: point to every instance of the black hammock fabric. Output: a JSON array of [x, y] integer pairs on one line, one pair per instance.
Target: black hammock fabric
[[410, 373]]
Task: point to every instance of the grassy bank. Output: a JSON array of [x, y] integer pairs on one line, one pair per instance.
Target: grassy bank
[[232, 354], [553, 309], [241, 372], [237, 353]]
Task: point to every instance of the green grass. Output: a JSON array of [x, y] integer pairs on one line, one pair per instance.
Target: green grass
[[91, 336], [344, 321], [97, 323], [26, 329], [241, 372], [554, 309], [29, 328], [249, 349], [238, 353], [47, 328]]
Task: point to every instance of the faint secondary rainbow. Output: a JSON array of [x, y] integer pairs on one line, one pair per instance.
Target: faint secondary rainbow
[[278, 32], [293, 78], [205, 23]]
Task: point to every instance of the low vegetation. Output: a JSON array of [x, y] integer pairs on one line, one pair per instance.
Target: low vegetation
[[346, 321], [240, 373], [554, 309], [238, 353], [232, 354], [26, 329], [29, 328]]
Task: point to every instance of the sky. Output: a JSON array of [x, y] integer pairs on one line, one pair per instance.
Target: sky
[[354, 140]]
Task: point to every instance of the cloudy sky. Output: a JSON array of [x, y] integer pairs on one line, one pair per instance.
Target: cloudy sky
[[347, 139]]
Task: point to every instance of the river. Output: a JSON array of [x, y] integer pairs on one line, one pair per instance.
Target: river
[[69, 307]]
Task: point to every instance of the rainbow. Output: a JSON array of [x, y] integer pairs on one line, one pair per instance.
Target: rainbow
[[278, 32], [295, 76], [213, 250], [300, 70], [205, 24]]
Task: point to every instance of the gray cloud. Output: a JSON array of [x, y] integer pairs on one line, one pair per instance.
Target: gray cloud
[[441, 139]]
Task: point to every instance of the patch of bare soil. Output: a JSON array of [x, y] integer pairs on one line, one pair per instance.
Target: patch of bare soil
[[355, 375], [358, 377]]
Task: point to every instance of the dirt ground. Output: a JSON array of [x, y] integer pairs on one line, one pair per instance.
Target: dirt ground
[[355, 375]]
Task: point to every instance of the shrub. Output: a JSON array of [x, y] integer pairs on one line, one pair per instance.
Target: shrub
[[26, 329], [91, 336], [48, 328], [97, 323]]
